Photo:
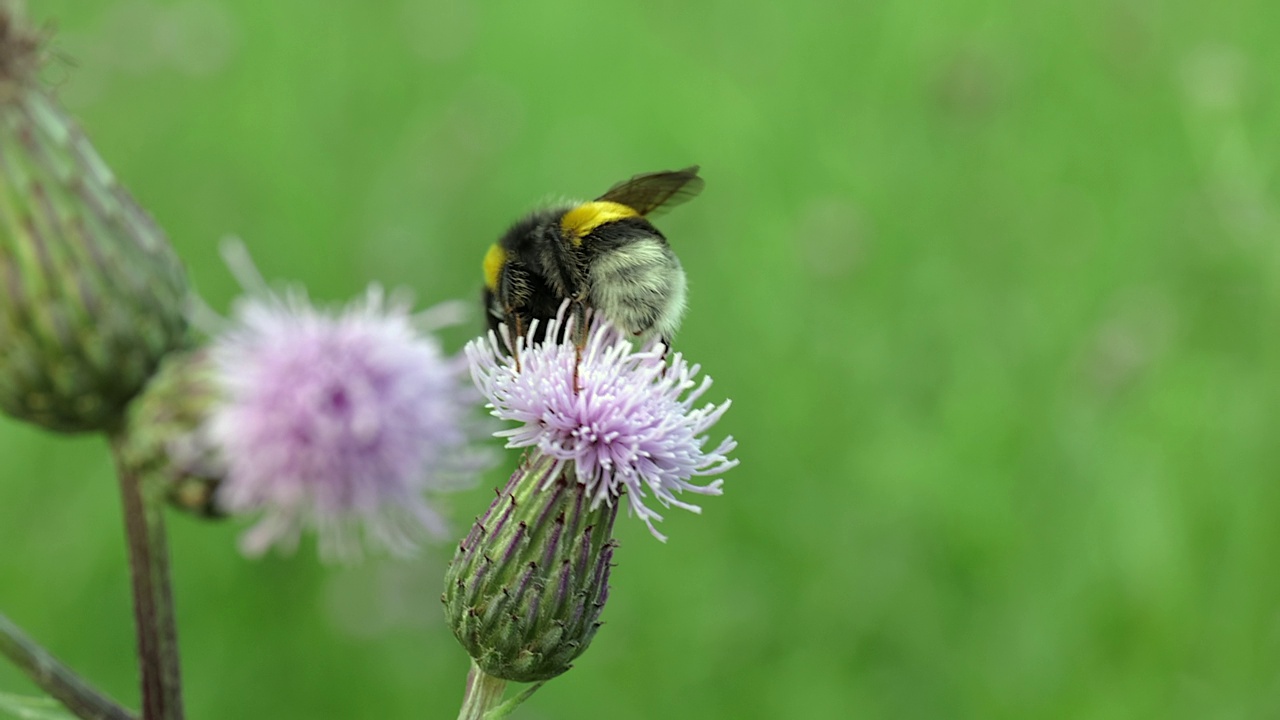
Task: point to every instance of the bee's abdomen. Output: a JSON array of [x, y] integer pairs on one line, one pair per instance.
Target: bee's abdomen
[[639, 286]]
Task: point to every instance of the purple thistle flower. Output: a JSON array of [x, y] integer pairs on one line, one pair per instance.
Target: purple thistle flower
[[337, 421], [625, 419]]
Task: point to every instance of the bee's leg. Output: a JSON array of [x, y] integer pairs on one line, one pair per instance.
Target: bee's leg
[[579, 340], [580, 324]]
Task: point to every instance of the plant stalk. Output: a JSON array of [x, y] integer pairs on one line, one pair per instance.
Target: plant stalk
[[152, 595], [55, 678], [483, 697], [484, 692]]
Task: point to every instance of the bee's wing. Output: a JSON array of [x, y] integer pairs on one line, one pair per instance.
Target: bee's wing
[[656, 191]]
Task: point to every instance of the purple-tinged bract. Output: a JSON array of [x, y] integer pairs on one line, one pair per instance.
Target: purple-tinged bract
[[625, 419], [338, 421]]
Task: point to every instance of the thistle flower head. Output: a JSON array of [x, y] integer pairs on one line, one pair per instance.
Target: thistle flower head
[[337, 420], [624, 417]]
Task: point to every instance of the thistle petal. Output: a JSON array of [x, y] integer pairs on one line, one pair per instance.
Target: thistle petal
[[623, 417]]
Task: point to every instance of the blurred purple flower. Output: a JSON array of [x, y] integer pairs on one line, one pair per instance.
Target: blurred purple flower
[[337, 421], [625, 420]]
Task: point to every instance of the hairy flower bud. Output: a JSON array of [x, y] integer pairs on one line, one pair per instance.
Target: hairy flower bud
[[91, 294], [525, 590]]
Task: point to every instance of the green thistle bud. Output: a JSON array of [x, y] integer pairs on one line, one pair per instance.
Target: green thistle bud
[[91, 293], [164, 436], [525, 589]]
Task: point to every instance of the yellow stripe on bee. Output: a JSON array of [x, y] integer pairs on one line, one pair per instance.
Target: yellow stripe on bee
[[580, 221], [493, 262]]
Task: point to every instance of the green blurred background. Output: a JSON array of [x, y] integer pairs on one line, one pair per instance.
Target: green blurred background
[[994, 287]]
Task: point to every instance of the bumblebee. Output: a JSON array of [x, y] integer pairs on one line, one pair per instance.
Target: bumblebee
[[603, 254]]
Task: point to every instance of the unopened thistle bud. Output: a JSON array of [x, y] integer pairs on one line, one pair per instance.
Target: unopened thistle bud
[[91, 293], [526, 587], [166, 438]]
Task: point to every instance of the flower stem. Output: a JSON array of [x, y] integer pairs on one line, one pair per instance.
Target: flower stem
[[55, 678], [152, 597], [483, 698], [505, 708], [483, 693]]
